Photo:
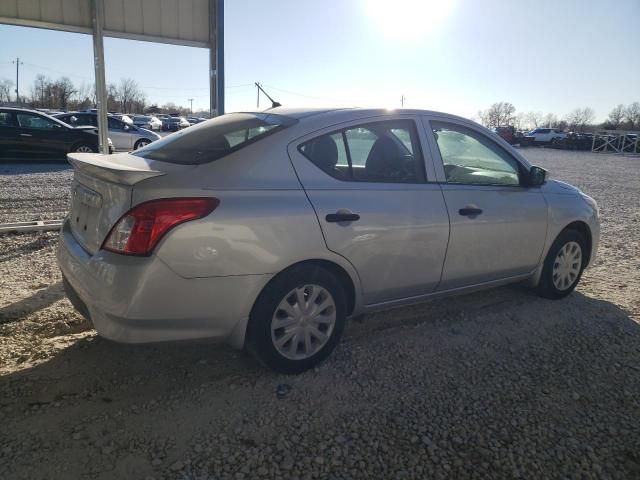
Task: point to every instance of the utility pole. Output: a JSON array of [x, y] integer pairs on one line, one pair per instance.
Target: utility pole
[[402, 98], [18, 63], [190, 100]]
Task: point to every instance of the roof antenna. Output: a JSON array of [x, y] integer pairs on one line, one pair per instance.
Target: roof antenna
[[274, 104]]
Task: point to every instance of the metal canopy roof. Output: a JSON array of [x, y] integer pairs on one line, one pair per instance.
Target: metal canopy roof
[[179, 22], [193, 23]]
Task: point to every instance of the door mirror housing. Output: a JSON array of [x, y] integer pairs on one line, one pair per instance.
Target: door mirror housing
[[537, 176]]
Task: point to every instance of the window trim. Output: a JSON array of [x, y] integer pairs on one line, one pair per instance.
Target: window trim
[[414, 122], [522, 169]]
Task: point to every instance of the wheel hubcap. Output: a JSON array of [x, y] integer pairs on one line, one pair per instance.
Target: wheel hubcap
[[142, 144], [83, 149], [303, 322], [566, 266]]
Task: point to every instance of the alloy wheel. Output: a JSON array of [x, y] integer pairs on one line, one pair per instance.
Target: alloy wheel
[[84, 149], [303, 322], [567, 265]]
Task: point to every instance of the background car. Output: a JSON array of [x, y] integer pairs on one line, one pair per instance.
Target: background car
[[32, 135], [123, 117], [506, 133], [125, 136], [148, 122], [545, 136], [195, 120], [173, 124], [269, 229]]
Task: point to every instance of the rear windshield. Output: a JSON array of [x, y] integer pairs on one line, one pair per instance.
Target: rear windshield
[[213, 139]]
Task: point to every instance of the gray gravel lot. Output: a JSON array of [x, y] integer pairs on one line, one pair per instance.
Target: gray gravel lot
[[498, 384]]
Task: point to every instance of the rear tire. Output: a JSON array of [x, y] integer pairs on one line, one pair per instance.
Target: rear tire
[[84, 148], [297, 320], [141, 143], [563, 265]]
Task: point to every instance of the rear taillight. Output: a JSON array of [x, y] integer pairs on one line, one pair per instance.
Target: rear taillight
[[140, 229]]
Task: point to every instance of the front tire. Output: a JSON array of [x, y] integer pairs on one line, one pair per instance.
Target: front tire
[[563, 265], [297, 320]]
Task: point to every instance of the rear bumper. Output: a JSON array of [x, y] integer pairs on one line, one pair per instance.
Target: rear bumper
[[140, 299]]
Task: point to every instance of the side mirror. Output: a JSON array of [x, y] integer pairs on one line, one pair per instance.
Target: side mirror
[[126, 128], [537, 176]]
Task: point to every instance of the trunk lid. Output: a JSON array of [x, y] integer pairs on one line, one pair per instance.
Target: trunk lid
[[102, 190]]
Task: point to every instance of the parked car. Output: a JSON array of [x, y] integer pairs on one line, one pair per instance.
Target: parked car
[[547, 136], [147, 121], [195, 120], [506, 133], [33, 135], [125, 136], [123, 118], [173, 124], [269, 229], [575, 141]]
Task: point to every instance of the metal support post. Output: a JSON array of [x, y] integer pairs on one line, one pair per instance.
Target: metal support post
[[97, 11]]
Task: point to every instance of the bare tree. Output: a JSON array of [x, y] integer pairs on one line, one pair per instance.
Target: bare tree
[[616, 116], [6, 86], [112, 98], [499, 114], [38, 91], [534, 119], [64, 90], [550, 120], [84, 96], [632, 115], [579, 118], [130, 96]]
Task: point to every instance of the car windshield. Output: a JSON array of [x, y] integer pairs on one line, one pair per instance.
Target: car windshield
[[214, 139]]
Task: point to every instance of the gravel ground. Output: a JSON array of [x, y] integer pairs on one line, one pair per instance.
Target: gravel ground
[[500, 384]]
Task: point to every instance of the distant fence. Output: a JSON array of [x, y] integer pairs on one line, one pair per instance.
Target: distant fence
[[616, 141]]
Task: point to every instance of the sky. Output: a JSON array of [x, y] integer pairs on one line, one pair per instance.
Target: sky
[[457, 56]]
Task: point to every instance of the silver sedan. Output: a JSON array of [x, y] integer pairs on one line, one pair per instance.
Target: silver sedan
[[268, 230]]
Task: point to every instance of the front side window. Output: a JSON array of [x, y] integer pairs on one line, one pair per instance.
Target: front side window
[[30, 120], [209, 141], [471, 158], [381, 152]]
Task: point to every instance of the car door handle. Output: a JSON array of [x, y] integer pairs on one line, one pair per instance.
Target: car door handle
[[342, 217], [470, 211], [26, 135]]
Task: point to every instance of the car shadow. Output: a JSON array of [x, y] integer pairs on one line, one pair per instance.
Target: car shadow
[[26, 248], [95, 358], [22, 167], [40, 299]]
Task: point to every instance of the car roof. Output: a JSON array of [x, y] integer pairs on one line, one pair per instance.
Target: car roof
[[18, 109], [350, 112]]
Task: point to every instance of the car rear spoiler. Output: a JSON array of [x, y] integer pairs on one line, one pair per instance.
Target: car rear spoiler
[[119, 168]]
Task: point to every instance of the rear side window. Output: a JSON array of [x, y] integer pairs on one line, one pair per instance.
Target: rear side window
[[5, 119], [381, 152], [213, 139]]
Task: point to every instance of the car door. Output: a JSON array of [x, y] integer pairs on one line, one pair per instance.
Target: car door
[[120, 136], [498, 225], [9, 136], [41, 137], [367, 184]]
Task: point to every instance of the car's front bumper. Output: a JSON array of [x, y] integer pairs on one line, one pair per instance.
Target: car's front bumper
[[140, 299]]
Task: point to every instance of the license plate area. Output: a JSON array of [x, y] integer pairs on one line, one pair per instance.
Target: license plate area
[[83, 215]]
